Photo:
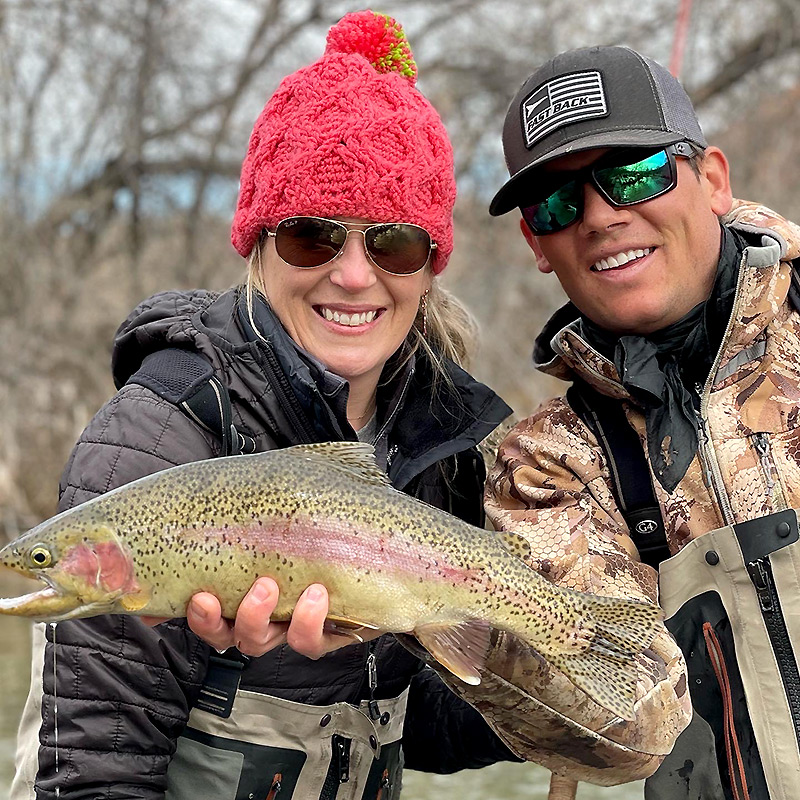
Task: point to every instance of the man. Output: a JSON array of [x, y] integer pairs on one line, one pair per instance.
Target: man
[[680, 323]]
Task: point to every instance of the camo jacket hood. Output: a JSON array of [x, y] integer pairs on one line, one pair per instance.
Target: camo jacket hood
[[552, 485]]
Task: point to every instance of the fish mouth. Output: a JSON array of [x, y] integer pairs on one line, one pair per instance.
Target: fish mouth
[[51, 604], [47, 605]]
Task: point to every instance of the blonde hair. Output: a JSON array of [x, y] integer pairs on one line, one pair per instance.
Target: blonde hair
[[443, 328], [448, 329]]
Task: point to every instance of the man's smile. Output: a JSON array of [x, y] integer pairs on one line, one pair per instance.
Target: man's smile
[[620, 259]]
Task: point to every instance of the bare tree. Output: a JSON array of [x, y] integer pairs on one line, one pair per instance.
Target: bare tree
[[125, 122]]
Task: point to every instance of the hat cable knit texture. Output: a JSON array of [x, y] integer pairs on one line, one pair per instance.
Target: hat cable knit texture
[[350, 136]]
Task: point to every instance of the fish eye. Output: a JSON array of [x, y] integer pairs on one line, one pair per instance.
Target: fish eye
[[41, 556]]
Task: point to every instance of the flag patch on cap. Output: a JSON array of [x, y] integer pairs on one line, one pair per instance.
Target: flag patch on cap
[[562, 101]]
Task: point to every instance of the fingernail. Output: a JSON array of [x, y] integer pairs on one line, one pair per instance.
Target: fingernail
[[199, 611], [314, 593], [260, 592]]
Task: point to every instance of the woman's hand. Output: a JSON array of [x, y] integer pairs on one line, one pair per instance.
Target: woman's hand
[[253, 634]]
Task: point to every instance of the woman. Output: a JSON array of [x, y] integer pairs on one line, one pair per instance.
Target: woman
[[340, 332]]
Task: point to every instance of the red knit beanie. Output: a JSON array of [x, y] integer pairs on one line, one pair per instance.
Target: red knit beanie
[[350, 136]]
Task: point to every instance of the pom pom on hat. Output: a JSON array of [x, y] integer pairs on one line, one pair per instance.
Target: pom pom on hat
[[378, 38], [350, 136]]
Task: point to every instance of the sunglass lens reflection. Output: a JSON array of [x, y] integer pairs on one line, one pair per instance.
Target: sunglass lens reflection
[[306, 242], [400, 249], [633, 183], [558, 211]]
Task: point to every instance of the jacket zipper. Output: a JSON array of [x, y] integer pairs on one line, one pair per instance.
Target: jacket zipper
[[288, 401], [392, 450], [774, 488], [711, 470], [339, 766], [338, 769], [708, 456], [760, 572]]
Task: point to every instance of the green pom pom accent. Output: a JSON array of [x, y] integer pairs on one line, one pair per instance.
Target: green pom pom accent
[[399, 58], [376, 37]]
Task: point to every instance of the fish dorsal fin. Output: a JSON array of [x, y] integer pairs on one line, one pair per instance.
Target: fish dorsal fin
[[462, 647], [357, 458], [516, 544]]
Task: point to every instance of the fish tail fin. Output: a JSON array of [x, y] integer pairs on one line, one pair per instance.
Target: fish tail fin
[[613, 632]]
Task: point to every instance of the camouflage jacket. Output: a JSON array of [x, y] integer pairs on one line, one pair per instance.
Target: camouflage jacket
[[551, 484]]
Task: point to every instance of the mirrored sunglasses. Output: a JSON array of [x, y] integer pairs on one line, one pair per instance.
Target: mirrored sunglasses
[[398, 248], [622, 179]]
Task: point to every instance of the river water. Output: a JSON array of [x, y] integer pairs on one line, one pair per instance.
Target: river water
[[499, 782]]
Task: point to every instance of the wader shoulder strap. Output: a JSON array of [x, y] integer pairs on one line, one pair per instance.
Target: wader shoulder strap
[[794, 286], [187, 379], [630, 474]]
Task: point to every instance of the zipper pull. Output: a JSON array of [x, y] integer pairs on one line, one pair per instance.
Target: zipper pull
[[761, 445], [372, 683], [698, 388], [341, 755], [703, 436], [762, 580]]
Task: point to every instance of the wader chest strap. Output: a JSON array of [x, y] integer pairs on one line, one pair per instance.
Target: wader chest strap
[[630, 474], [187, 379]]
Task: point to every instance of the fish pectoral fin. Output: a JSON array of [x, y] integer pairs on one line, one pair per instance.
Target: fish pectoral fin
[[349, 628], [461, 647], [134, 601]]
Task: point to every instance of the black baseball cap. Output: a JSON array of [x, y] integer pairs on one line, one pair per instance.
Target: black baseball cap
[[587, 98]]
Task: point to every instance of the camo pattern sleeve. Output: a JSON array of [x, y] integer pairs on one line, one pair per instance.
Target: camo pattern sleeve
[[551, 485]]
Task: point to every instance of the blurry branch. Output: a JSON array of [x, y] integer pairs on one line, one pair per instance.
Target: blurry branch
[[248, 69], [32, 107], [446, 11], [135, 138], [748, 57], [100, 190]]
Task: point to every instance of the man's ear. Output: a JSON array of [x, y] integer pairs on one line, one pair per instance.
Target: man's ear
[[542, 264], [715, 171]]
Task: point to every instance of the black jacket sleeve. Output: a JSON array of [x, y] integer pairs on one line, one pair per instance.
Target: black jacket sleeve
[[442, 732], [117, 693]]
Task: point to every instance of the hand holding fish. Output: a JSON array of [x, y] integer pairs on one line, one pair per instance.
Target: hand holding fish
[[253, 633], [325, 515]]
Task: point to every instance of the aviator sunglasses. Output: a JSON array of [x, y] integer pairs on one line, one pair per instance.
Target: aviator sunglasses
[[622, 179], [398, 248]]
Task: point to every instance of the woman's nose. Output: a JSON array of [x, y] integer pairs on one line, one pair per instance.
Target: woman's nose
[[352, 269]]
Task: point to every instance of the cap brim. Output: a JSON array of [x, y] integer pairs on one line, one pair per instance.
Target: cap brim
[[508, 197]]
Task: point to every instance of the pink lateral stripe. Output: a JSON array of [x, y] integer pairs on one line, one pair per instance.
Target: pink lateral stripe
[[338, 543]]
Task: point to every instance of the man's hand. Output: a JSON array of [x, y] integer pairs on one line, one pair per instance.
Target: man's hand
[[253, 634]]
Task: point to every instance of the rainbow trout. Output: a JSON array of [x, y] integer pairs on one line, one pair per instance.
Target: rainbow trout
[[324, 514]]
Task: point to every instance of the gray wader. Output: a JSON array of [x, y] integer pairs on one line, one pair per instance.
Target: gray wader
[[732, 601], [274, 749]]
